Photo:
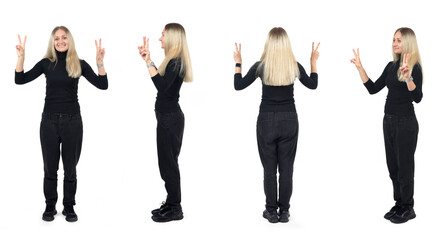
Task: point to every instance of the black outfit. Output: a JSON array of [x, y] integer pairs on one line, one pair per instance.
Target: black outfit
[[400, 129], [61, 123], [277, 133], [170, 129]]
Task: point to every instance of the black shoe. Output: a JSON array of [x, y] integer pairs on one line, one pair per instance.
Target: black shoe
[[392, 212], [156, 211], [49, 213], [403, 215], [70, 214], [284, 216], [168, 213], [271, 216]]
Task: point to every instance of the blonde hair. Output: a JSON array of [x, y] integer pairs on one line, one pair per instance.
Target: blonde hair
[[73, 66], [409, 45], [278, 62], [175, 46]]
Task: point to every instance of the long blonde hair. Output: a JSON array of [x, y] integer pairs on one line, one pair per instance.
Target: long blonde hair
[[73, 66], [278, 62], [175, 46], [409, 45]]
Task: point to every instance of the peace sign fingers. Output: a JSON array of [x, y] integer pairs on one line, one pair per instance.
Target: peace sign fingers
[[100, 51], [356, 60], [144, 50], [405, 70], [313, 46], [315, 53], [98, 46], [21, 47], [356, 54], [237, 54]]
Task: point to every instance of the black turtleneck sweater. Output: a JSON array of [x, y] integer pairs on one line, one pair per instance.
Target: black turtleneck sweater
[[168, 87], [399, 99], [61, 90], [275, 98]]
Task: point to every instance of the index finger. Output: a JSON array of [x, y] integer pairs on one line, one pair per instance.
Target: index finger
[[313, 46], [317, 46], [100, 43], [144, 42], [19, 39], [240, 48], [147, 44], [24, 41], [96, 45]]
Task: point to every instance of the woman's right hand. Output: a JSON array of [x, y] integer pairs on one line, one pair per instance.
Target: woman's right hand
[[20, 48], [356, 60], [237, 54]]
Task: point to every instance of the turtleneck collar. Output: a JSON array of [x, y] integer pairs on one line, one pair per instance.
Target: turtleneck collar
[[61, 55]]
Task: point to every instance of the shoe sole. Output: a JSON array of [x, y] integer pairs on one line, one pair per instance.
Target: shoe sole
[[398, 222], [157, 218], [49, 219]]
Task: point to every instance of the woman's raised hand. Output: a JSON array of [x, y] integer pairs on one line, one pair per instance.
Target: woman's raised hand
[[100, 52], [144, 50], [405, 70], [356, 60], [237, 54], [315, 53], [20, 48]]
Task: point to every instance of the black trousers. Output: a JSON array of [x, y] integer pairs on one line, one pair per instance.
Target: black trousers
[[170, 129], [400, 136], [277, 134], [60, 134]]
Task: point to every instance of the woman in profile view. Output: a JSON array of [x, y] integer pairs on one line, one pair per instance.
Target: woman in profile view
[[277, 125], [175, 69]]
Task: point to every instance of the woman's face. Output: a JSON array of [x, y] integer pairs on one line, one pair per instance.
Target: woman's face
[[61, 41], [162, 38], [397, 43]]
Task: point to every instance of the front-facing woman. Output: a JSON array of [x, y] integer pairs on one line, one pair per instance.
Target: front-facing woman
[[168, 78], [61, 129], [403, 78], [277, 126]]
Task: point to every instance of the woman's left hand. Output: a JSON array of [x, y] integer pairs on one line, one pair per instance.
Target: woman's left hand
[[100, 52], [405, 70]]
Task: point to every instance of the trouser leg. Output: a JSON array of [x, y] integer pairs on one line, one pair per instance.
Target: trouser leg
[[170, 129], [389, 126], [265, 131], [407, 135], [50, 146], [72, 138], [287, 144]]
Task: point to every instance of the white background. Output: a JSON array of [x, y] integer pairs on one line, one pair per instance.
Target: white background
[[341, 183]]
